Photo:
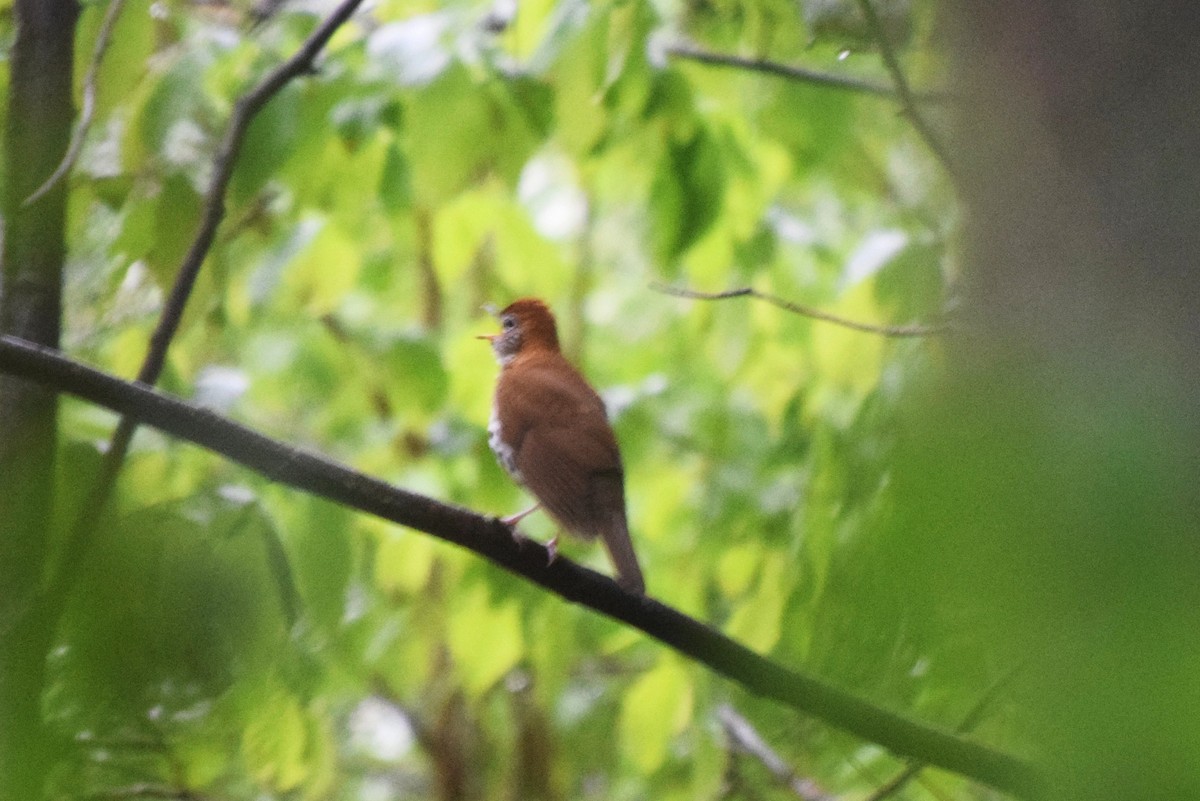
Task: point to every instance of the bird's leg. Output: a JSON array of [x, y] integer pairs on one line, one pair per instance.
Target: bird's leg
[[512, 520]]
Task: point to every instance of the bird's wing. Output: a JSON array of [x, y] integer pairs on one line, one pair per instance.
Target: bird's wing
[[575, 476], [559, 467]]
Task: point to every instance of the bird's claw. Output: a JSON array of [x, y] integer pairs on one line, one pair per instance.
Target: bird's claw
[[512, 520]]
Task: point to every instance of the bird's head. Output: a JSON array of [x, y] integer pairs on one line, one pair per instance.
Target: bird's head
[[525, 325]]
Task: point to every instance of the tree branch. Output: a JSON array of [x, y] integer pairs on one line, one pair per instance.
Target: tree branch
[[907, 99], [915, 330], [802, 74], [244, 111], [89, 105], [491, 539], [246, 107]]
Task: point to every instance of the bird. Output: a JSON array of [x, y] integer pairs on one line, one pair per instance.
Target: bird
[[549, 430]]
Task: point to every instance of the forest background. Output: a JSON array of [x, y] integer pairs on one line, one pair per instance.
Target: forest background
[[937, 464]]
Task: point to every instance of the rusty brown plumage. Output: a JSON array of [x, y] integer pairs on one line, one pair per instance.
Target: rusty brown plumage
[[550, 432]]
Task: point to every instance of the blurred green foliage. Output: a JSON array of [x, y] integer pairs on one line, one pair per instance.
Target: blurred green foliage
[[226, 632]]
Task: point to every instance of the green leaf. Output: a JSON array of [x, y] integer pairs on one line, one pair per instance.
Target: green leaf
[[129, 48], [403, 561], [321, 557], [136, 236], [170, 124], [814, 125], [270, 141], [911, 284], [655, 708], [756, 623], [325, 271], [486, 640], [176, 220], [686, 195], [415, 373], [321, 756], [737, 568], [841, 22], [275, 740], [281, 570], [578, 80], [488, 136], [395, 183]]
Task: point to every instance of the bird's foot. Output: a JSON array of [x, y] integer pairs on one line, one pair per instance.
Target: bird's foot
[[551, 546], [512, 520]]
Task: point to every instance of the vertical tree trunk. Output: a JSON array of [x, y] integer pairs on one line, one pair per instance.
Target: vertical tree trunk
[[1058, 479], [37, 129]]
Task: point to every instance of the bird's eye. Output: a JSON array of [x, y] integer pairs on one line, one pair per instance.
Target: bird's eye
[[508, 323]]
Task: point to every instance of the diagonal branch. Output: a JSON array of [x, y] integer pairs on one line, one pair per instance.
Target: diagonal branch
[[244, 110], [907, 99], [491, 539], [802, 74], [914, 330], [246, 107], [89, 105]]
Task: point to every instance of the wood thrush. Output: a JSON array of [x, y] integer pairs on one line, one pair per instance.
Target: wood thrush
[[549, 430]]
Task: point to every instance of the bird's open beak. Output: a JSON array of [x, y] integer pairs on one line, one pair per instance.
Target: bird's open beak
[[494, 312]]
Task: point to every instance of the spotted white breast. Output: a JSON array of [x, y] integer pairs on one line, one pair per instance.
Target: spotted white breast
[[504, 452]]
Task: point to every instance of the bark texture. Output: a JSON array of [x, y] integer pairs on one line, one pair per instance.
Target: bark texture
[[37, 129]]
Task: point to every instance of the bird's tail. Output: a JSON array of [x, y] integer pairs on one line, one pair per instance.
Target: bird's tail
[[620, 550]]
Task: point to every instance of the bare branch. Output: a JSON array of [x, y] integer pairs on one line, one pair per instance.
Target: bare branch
[[816, 77], [247, 106], [907, 99], [89, 104], [491, 539], [746, 738], [914, 330]]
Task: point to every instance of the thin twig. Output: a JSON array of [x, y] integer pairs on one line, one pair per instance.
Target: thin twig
[[89, 105], [803, 74], [745, 737], [492, 539], [907, 99], [914, 330], [249, 104]]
